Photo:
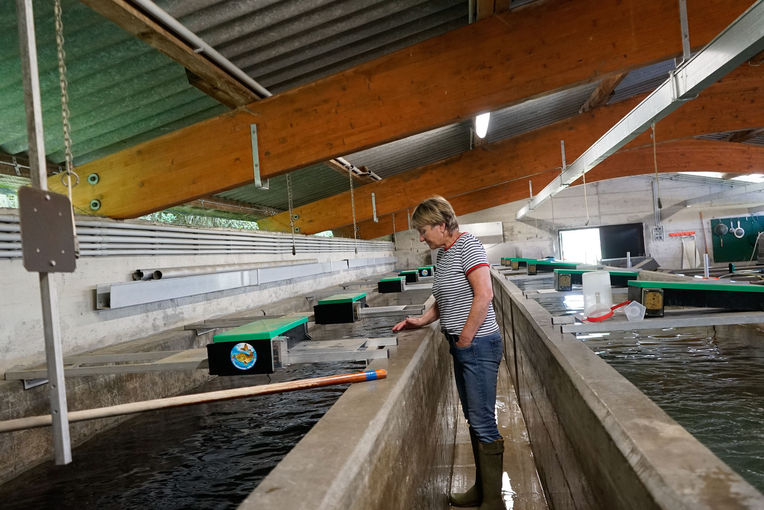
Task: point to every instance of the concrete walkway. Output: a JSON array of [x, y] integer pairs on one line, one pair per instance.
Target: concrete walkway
[[521, 486]]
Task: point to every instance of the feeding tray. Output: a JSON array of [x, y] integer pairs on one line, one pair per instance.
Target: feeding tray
[[248, 349], [412, 275], [733, 296], [395, 284], [339, 308], [564, 279]]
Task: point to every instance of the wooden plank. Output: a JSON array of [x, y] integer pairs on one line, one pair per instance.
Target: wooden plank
[[725, 106], [484, 66], [203, 74], [485, 8], [601, 95]]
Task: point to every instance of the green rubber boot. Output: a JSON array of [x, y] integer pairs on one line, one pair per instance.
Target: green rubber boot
[[491, 467], [473, 496]]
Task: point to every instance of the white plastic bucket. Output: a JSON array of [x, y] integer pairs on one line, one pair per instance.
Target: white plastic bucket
[[598, 297]]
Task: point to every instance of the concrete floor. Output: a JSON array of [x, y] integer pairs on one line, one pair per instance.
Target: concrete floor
[[521, 486]]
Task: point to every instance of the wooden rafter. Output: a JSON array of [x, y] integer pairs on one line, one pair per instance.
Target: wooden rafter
[[602, 93], [484, 66], [222, 204], [728, 105], [203, 74]]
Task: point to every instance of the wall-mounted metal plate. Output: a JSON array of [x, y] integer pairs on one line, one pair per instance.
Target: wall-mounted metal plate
[[47, 231]]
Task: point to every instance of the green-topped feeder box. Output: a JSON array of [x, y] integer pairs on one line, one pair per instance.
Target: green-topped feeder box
[[248, 349], [706, 293], [547, 266], [412, 275], [339, 308], [394, 284], [564, 279]]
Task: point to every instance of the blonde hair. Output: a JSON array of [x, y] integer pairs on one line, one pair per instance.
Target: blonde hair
[[434, 211]]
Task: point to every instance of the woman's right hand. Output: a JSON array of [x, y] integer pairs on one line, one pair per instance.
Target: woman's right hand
[[408, 323]]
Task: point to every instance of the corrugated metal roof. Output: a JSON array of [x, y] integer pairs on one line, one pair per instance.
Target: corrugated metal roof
[[642, 80], [308, 185]]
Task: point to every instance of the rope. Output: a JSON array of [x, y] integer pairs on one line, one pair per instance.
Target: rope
[[586, 199], [352, 202], [655, 166], [291, 214], [65, 115], [393, 229]]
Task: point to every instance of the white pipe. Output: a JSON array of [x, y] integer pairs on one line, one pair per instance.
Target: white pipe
[[200, 46]]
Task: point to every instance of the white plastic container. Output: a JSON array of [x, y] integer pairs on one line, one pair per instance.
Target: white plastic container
[[598, 297]]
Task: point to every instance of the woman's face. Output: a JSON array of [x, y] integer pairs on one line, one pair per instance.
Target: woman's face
[[434, 235]]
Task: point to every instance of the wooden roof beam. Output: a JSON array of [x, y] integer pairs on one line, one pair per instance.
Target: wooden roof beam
[[490, 64], [730, 104], [202, 73]]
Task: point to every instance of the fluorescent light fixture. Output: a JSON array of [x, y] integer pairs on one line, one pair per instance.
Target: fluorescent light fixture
[[481, 124], [757, 178], [712, 175]]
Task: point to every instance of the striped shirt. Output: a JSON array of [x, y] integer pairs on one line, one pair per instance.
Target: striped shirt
[[452, 289]]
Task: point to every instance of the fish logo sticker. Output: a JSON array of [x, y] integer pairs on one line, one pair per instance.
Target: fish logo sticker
[[243, 356]]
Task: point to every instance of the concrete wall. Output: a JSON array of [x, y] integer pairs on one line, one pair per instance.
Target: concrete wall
[[611, 202], [410, 251], [384, 444], [84, 328], [597, 440]]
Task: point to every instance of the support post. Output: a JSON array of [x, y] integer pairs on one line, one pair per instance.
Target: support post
[[38, 172]]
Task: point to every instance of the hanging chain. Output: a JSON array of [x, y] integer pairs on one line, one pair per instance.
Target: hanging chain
[[352, 202], [291, 213], [64, 85], [69, 171]]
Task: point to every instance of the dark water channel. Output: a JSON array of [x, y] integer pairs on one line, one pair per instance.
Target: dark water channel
[[204, 456], [710, 380]]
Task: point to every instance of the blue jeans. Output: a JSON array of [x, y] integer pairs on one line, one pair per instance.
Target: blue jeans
[[476, 369]]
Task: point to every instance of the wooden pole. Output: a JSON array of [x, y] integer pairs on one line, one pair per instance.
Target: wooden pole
[[199, 398]]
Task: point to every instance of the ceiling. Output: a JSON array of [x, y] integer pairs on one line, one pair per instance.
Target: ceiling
[[122, 91]]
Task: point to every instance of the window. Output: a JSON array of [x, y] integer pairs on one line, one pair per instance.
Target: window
[[591, 245]]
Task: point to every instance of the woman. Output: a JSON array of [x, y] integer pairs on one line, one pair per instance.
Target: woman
[[463, 295]]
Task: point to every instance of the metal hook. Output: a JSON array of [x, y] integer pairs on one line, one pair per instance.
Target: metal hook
[[69, 172]]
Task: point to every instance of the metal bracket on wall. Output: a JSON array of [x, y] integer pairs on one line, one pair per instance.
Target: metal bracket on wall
[[256, 159]]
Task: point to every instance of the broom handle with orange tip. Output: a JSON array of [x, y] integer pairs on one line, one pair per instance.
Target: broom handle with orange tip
[[199, 398]]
